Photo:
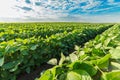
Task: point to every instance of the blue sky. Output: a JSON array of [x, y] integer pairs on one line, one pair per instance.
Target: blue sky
[[60, 10]]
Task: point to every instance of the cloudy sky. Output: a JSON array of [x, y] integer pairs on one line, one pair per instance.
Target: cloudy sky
[[60, 10]]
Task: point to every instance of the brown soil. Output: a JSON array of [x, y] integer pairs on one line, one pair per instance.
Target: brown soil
[[34, 74]]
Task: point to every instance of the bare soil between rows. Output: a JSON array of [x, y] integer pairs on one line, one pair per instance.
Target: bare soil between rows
[[35, 74]]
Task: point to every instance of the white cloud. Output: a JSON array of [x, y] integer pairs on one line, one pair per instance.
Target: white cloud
[[45, 10], [6, 9], [91, 1], [54, 10], [111, 1], [91, 5]]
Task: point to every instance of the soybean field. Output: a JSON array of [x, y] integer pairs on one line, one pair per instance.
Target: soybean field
[[76, 51]]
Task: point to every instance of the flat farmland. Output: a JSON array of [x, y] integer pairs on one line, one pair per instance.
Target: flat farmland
[[78, 51]]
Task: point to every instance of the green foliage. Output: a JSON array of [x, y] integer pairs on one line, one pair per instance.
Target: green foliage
[[23, 46], [111, 76], [97, 59], [1, 61], [62, 59], [78, 75], [48, 75]]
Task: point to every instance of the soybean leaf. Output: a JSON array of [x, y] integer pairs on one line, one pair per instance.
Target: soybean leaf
[[115, 66], [52, 61], [12, 64], [75, 65], [104, 62], [33, 47], [14, 69], [84, 66], [78, 75], [98, 45], [73, 57], [1, 61], [88, 68], [107, 41], [111, 76], [63, 76], [47, 76], [73, 76], [115, 53], [77, 48], [62, 59]]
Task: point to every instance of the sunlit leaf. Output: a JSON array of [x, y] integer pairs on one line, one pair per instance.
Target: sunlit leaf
[[111, 76], [73, 57], [78, 75], [1, 61], [52, 61], [115, 53], [62, 59]]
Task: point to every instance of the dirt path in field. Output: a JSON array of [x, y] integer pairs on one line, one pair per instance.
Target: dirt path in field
[[34, 74]]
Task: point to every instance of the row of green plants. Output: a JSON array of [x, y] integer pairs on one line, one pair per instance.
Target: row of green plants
[[12, 32], [99, 59], [24, 31], [23, 34], [22, 55]]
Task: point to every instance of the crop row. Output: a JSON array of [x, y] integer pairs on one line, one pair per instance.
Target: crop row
[[20, 55], [99, 59], [24, 31]]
